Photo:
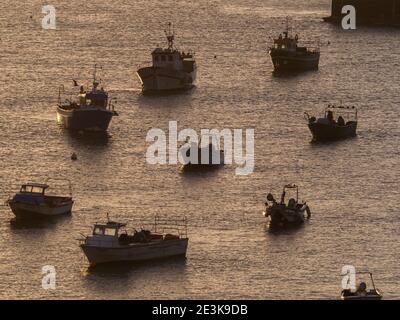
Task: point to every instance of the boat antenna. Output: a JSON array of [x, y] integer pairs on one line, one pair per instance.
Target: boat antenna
[[94, 73], [59, 93], [288, 27], [170, 36]]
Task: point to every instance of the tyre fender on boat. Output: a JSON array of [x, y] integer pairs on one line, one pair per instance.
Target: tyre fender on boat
[[308, 212]]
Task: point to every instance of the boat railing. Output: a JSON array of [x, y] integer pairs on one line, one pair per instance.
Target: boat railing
[[178, 225], [111, 105]]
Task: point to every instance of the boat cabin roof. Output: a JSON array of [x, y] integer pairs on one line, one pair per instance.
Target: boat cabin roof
[[110, 224], [164, 51], [34, 188], [107, 229], [39, 185], [342, 110]]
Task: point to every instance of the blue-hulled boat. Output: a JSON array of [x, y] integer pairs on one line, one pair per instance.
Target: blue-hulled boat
[[92, 112], [32, 202]]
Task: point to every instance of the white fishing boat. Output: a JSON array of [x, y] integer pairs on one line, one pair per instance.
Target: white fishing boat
[[33, 202], [111, 242], [171, 69]]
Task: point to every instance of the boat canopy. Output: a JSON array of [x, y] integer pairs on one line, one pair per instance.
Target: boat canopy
[[341, 109]]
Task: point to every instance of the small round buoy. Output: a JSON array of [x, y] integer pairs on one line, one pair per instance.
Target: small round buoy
[[215, 57], [74, 156]]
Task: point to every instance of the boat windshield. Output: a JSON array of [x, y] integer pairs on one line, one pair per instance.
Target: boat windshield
[[32, 189], [104, 231]]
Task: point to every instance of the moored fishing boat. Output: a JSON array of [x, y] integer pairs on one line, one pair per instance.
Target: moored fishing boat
[[199, 157], [333, 124], [283, 215], [287, 56], [92, 112], [171, 69], [110, 242], [32, 202]]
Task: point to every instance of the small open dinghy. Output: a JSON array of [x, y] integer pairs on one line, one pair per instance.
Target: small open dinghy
[[284, 215], [32, 202], [362, 293]]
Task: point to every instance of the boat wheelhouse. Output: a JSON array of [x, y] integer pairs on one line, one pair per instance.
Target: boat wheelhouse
[[33, 202], [337, 122], [111, 242], [171, 69], [92, 112]]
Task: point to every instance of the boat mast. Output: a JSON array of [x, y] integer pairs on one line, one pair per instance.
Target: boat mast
[[95, 82], [94, 73], [288, 27], [170, 34]]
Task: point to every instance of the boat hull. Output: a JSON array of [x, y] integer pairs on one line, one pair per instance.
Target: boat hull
[[135, 252], [326, 132], [282, 217], [34, 211], [90, 119], [162, 80], [373, 295], [288, 63]]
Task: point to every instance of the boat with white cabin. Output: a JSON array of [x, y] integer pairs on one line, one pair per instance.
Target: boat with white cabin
[[111, 242], [171, 69]]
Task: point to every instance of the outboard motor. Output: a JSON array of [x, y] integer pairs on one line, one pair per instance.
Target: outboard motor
[[270, 197]]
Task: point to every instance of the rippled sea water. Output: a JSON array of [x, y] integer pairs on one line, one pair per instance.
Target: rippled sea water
[[352, 186]]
